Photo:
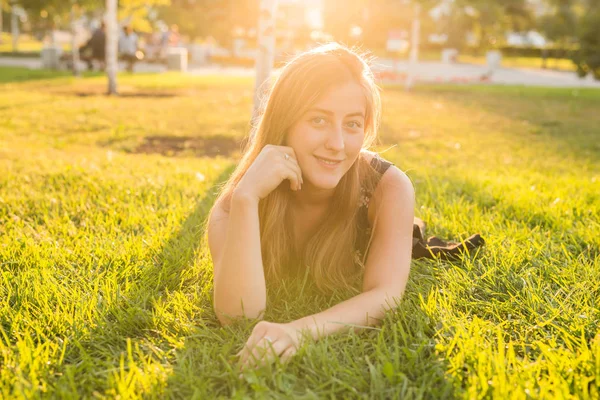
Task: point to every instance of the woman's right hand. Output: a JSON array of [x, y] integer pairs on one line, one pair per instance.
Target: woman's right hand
[[268, 170]]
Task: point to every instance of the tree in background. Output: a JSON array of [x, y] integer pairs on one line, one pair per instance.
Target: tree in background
[[375, 18], [487, 20], [587, 58], [112, 44], [216, 18], [1, 19], [559, 24], [575, 24], [138, 13], [339, 20]]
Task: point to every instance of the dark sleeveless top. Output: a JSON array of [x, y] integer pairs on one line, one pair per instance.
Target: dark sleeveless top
[[364, 229], [431, 248]]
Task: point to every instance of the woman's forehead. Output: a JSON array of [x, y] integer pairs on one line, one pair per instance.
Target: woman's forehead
[[342, 99]]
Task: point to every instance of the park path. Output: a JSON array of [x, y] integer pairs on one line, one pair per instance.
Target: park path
[[471, 73], [390, 71]]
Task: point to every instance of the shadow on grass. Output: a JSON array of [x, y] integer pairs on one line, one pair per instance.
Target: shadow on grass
[[132, 315], [152, 95], [198, 146]]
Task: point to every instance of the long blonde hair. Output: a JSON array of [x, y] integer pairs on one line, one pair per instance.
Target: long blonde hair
[[329, 256]]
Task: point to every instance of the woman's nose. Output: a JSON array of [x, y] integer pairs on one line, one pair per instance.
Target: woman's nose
[[335, 140]]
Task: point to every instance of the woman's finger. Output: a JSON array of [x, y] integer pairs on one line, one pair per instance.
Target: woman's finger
[[287, 354], [289, 150], [257, 334], [265, 352], [296, 168], [292, 175], [282, 150], [254, 351]]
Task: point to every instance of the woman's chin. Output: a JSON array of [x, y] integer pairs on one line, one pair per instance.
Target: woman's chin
[[325, 184]]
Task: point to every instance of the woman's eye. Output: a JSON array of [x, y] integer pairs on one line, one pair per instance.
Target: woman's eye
[[318, 120], [354, 124]]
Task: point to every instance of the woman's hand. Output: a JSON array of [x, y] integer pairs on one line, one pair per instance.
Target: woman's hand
[[273, 165], [268, 341]]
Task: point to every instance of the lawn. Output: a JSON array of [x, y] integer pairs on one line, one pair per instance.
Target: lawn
[[559, 64], [106, 280], [26, 44]]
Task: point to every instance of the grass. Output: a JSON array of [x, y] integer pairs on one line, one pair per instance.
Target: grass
[[559, 64], [27, 44], [106, 281]]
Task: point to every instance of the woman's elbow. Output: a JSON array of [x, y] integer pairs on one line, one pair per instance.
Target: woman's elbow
[[228, 317]]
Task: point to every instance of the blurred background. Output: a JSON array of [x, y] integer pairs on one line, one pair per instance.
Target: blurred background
[[558, 35]]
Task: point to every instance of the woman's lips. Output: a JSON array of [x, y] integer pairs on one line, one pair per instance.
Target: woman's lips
[[327, 163]]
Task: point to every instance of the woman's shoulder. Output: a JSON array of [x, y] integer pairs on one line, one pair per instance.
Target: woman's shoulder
[[391, 183], [368, 155], [376, 161]]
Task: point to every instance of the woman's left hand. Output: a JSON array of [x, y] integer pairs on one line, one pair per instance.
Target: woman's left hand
[[268, 341]]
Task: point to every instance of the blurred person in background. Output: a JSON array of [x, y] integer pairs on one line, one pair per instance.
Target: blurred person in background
[[95, 48], [128, 47], [174, 38]]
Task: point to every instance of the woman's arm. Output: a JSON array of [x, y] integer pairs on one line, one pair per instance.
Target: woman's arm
[[386, 275], [388, 263], [234, 241], [365, 309]]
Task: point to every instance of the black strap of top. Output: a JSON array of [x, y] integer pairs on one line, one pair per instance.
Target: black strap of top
[[379, 164], [432, 248]]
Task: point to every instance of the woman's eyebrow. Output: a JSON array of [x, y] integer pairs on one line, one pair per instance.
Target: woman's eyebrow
[[322, 110]]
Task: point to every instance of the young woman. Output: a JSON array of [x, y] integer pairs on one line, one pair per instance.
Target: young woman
[[307, 197]]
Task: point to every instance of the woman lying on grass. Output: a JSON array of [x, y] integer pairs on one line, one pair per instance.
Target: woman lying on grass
[[308, 197]]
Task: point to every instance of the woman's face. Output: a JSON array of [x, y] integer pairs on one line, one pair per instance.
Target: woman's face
[[329, 136]]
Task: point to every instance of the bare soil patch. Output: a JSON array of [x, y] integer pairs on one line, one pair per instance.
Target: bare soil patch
[[172, 146]]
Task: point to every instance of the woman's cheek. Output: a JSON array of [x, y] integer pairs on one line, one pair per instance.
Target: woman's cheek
[[356, 142]]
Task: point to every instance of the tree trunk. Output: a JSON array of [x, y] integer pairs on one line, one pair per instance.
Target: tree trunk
[[1, 16], [14, 28], [414, 48], [266, 52], [111, 45], [74, 46]]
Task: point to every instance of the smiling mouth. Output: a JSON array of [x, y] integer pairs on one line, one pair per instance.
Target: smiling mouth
[[328, 161]]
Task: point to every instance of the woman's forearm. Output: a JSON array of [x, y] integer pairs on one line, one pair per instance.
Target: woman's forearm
[[239, 285], [365, 309]]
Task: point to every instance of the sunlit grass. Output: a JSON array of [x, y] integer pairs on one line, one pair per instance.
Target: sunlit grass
[[25, 44], [106, 281], [562, 64], [427, 55]]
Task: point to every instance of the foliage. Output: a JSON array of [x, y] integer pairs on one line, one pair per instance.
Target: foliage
[[588, 57], [137, 13], [576, 22], [487, 19], [375, 18], [50, 14], [560, 23], [216, 18]]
